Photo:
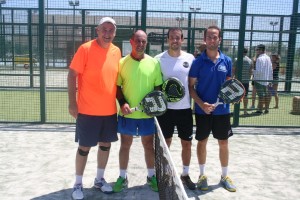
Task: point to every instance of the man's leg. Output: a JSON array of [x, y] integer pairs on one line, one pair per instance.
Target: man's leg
[[147, 142], [186, 152], [126, 141], [201, 154], [81, 159], [245, 102], [224, 160], [223, 153], [103, 154], [122, 183]]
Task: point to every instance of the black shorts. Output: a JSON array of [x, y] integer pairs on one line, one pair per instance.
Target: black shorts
[[93, 129], [182, 119], [219, 125]]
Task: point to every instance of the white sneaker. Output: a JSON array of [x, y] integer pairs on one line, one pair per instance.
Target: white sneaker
[[103, 186], [77, 193]]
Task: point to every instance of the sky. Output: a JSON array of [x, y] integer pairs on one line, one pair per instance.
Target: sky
[[266, 7], [277, 7]]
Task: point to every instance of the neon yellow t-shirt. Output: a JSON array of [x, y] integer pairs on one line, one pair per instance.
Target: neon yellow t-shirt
[[137, 79]]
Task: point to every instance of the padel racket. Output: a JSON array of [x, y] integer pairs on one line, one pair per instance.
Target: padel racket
[[153, 104], [173, 89], [232, 91]]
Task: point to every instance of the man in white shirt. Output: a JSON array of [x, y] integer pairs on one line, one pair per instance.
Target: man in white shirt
[[176, 63], [263, 74]]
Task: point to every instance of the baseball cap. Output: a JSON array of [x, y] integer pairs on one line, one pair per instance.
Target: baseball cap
[[107, 19]]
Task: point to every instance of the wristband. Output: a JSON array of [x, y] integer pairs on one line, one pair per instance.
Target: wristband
[[122, 102]]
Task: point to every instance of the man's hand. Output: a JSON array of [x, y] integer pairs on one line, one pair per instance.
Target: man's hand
[[126, 109]]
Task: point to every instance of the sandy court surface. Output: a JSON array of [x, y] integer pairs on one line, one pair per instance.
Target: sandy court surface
[[37, 162]]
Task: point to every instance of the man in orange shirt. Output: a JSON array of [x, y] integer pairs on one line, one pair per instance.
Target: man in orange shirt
[[94, 70]]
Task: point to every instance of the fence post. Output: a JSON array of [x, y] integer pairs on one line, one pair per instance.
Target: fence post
[[42, 61], [240, 55]]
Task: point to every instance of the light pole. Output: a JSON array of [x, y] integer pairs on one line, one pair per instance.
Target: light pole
[[2, 52], [74, 4], [194, 10], [179, 19], [273, 24]]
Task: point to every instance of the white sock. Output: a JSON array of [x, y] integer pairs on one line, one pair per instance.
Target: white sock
[[100, 173], [151, 172], [78, 180], [224, 171], [202, 169], [123, 173], [185, 170]]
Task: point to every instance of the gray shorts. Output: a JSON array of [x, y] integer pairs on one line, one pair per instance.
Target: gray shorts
[[93, 129]]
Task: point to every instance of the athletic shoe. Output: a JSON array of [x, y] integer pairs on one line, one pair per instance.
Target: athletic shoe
[[186, 180], [266, 112], [121, 184], [228, 184], [202, 183], [258, 112], [103, 186], [152, 182], [252, 107], [77, 193]]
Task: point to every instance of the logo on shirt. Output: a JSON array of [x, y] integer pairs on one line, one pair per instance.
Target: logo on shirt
[[222, 68], [185, 64]]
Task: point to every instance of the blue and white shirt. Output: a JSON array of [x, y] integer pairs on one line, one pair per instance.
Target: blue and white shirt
[[210, 77]]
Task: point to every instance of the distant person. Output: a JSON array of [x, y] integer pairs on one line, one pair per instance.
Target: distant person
[[94, 71], [253, 95], [201, 49], [275, 59], [139, 74], [246, 76], [211, 70], [176, 63], [262, 76]]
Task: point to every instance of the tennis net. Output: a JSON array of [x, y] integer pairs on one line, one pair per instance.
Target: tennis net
[[169, 185]]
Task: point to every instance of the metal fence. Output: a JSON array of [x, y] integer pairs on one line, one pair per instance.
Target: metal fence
[[38, 39]]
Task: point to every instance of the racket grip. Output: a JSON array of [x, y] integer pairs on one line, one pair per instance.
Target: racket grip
[[218, 103], [133, 109]]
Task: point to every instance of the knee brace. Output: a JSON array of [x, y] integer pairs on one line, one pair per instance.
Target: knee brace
[[103, 148], [82, 153]]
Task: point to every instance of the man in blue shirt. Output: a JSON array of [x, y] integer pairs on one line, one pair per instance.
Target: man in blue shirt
[[207, 74]]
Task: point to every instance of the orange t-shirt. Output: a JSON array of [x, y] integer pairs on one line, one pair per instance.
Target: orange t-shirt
[[97, 70]]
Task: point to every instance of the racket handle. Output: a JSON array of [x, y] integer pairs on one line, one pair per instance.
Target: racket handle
[[133, 109]]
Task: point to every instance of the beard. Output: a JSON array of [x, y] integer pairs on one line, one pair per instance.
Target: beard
[[175, 47]]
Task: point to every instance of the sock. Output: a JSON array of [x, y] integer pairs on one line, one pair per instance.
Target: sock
[[123, 173], [202, 169], [100, 173], [151, 172], [185, 170], [224, 171], [78, 180]]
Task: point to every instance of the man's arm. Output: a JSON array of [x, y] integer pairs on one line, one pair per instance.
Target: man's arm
[[124, 106], [206, 107], [72, 80]]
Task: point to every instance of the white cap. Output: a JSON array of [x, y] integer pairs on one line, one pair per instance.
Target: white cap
[[107, 19]]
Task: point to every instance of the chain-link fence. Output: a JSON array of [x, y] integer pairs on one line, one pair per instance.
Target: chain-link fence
[[39, 37]]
